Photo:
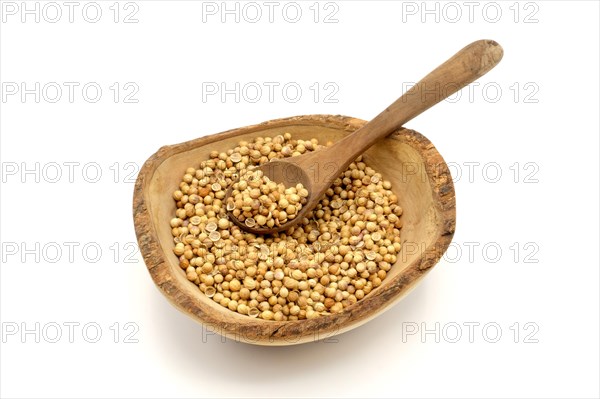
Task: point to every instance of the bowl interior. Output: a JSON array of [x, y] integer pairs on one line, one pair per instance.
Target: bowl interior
[[396, 160]]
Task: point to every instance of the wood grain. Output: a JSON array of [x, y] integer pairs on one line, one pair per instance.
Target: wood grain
[[419, 177]]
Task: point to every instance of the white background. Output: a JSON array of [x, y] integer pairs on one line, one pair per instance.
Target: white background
[[544, 219]]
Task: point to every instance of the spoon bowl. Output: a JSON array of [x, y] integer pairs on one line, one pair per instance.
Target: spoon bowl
[[279, 171]]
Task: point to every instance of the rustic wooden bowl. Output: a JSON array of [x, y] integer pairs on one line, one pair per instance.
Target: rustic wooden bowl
[[419, 176]]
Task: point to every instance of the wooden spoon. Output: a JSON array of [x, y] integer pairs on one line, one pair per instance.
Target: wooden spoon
[[318, 169]]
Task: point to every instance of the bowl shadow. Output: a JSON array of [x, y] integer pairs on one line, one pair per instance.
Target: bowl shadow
[[192, 346]]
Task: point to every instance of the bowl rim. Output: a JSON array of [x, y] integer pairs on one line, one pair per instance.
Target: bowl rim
[[263, 332]]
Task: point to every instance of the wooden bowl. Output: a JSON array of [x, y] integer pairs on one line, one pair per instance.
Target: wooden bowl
[[419, 176]]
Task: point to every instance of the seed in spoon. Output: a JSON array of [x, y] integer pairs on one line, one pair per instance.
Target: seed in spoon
[[264, 203]]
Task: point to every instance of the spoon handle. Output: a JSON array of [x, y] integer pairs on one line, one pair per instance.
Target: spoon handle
[[470, 63]]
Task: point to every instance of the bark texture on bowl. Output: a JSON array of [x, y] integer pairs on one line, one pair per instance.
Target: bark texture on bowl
[[420, 178]]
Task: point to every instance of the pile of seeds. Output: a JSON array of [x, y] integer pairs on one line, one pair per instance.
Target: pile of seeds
[[261, 203], [333, 258]]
